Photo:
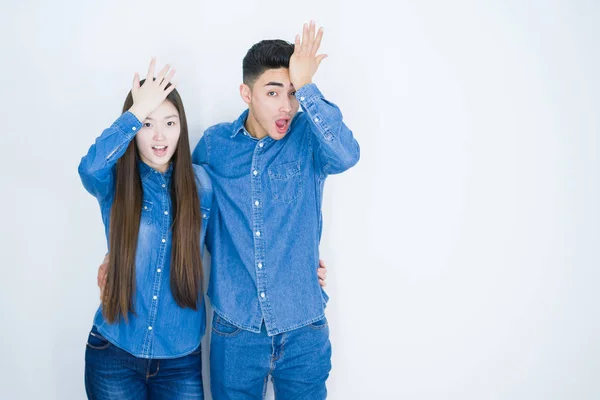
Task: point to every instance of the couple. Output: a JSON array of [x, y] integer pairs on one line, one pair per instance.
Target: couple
[[253, 189]]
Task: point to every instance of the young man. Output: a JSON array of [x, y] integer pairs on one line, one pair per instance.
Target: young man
[[268, 170]]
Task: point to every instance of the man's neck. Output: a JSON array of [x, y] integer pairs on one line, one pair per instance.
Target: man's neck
[[253, 127]]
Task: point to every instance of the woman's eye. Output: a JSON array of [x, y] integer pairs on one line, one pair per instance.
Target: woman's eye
[[147, 125], [170, 123]]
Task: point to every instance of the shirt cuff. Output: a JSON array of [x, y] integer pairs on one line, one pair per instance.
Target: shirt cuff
[[308, 92], [128, 124]]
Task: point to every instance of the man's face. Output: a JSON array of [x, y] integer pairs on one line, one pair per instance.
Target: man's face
[[272, 103]]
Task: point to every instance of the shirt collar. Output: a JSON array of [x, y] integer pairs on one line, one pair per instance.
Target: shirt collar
[[146, 171], [238, 125]]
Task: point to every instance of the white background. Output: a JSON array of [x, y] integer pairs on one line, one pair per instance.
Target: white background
[[463, 249]]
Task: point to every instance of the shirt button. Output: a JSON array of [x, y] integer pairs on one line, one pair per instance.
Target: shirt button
[[149, 328], [163, 185], [164, 240], [316, 119], [166, 213], [302, 98], [159, 270], [262, 295], [155, 297], [259, 265], [145, 207], [255, 172], [133, 128], [257, 233], [261, 144], [256, 203], [203, 215]]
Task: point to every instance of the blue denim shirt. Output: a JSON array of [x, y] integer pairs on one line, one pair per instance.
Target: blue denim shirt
[[264, 233], [160, 328]]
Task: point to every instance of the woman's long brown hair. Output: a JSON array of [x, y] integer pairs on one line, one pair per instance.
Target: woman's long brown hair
[[186, 263]]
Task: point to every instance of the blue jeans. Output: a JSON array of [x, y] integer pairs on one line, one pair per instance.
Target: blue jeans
[[112, 373], [241, 361]]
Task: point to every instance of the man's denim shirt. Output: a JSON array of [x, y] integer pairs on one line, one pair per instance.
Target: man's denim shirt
[[265, 230]]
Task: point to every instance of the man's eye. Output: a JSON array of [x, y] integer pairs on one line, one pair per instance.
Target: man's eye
[[272, 94], [293, 94]]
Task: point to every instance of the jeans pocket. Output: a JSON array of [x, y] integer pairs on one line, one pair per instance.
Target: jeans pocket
[[320, 324], [96, 341], [224, 328], [286, 182]]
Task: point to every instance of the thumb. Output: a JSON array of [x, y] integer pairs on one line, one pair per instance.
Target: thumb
[[320, 58], [136, 83]]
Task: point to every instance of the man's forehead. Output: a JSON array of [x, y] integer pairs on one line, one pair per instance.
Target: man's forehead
[[275, 77]]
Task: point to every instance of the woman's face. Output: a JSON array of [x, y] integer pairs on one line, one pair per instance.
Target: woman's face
[[157, 140]]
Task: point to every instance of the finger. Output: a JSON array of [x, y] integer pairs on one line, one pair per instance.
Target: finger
[[311, 36], [297, 44], [322, 283], [167, 79], [321, 58], [170, 89], [321, 263], [150, 75], [162, 73], [304, 37], [317, 42]]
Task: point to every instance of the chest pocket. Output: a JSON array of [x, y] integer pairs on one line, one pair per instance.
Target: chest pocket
[[146, 212], [286, 182]]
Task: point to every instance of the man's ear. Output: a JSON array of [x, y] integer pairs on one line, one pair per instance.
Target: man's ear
[[246, 93]]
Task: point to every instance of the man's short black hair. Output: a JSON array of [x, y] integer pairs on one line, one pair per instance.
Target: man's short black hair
[[264, 55]]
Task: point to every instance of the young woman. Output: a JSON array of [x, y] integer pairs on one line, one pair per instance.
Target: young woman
[[145, 340]]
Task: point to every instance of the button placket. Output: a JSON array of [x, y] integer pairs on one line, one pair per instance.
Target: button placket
[[258, 231]]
